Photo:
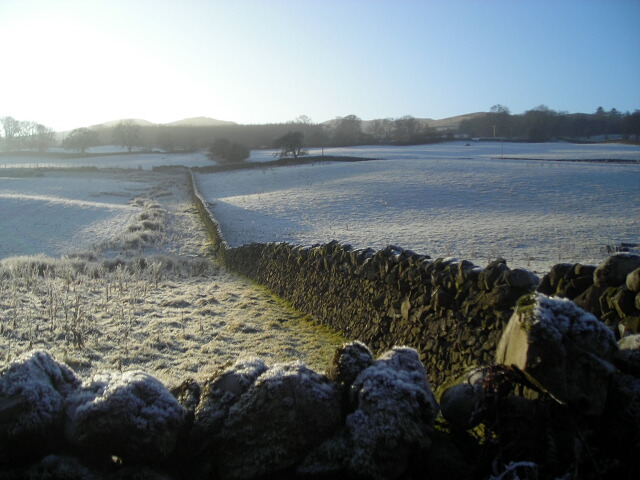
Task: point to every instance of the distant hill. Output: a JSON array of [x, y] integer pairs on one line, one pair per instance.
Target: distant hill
[[452, 123], [192, 122], [200, 122], [113, 123], [449, 123]]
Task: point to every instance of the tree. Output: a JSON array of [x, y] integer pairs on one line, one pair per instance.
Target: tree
[[348, 130], [406, 129], [44, 137], [224, 151], [382, 130], [290, 145], [127, 134], [540, 123], [80, 139], [11, 128], [36, 135], [165, 138], [237, 152], [303, 119], [631, 124]]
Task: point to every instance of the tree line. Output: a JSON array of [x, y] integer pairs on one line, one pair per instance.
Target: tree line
[[18, 135], [543, 124], [229, 142]]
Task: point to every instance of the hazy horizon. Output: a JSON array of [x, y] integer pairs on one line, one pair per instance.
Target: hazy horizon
[[74, 63]]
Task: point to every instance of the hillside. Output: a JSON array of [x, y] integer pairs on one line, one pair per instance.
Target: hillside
[[199, 122]]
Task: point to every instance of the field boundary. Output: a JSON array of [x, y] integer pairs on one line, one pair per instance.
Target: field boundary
[[451, 311]]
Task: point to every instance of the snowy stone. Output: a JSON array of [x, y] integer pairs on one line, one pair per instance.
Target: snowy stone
[[614, 270], [493, 274], [32, 395], [349, 360], [286, 413], [219, 394], [633, 280], [460, 404], [395, 414], [131, 415], [565, 349], [521, 278], [628, 358]]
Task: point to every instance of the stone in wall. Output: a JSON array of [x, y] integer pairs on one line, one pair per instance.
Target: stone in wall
[[285, 413], [33, 391], [608, 290], [565, 350], [393, 419], [130, 415]]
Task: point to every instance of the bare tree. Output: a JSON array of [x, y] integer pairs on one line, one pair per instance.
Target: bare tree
[[127, 134], [80, 139], [382, 130], [406, 129], [348, 130], [290, 145], [11, 128], [303, 119]]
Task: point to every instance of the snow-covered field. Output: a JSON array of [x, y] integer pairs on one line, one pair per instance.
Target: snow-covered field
[[443, 200], [61, 213], [144, 161], [478, 150]]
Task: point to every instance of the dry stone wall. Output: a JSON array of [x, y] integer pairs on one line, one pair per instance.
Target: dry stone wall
[[451, 311]]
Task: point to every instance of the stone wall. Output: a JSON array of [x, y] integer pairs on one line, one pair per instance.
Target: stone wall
[[451, 311], [611, 291]]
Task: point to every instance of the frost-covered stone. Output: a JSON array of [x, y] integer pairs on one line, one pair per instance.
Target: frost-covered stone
[[614, 270], [283, 415], [131, 415], [628, 358], [460, 404], [395, 414], [493, 274], [217, 397], [633, 280], [32, 395], [565, 349], [348, 361], [521, 278]]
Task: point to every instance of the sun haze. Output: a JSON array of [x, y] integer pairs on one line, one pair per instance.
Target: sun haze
[[69, 63]]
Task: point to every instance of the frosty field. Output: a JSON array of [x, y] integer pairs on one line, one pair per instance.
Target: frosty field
[[104, 298], [443, 200]]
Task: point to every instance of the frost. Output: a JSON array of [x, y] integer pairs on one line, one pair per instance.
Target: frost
[[305, 379], [431, 201], [129, 413], [32, 393], [396, 409], [561, 318], [288, 411], [349, 360], [221, 392]]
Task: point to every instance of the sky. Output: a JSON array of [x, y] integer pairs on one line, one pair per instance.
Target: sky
[[68, 64]]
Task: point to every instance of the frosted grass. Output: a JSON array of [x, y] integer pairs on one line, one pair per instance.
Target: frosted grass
[[163, 307]]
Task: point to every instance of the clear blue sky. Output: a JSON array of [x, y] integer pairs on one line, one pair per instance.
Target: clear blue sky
[[75, 63]]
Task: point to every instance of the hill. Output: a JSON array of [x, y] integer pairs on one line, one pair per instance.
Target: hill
[[113, 123], [449, 123], [200, 122]]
